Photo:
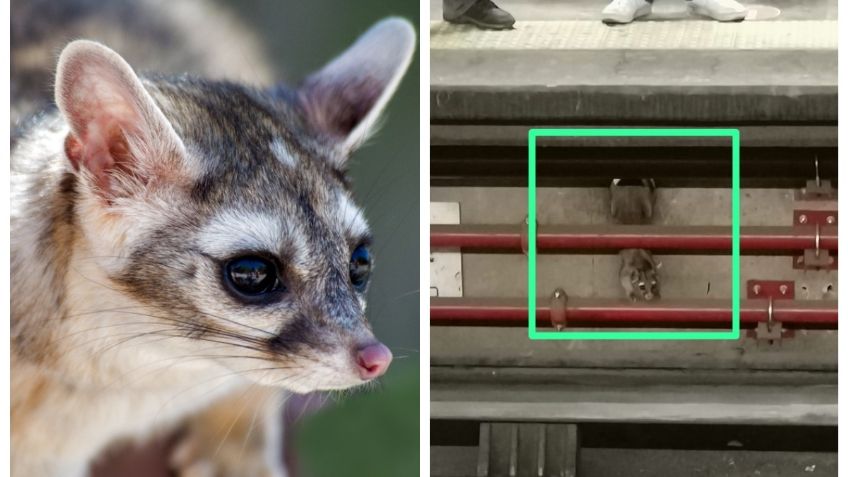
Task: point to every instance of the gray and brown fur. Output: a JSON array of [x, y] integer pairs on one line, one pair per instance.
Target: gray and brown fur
[[120, 323], [632, 202], [152, 35]]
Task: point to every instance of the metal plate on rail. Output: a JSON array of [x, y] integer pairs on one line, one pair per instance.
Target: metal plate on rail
[[776, 289]]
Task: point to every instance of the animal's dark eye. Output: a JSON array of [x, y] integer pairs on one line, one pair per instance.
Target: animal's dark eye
[[360, 267], [252, 276]]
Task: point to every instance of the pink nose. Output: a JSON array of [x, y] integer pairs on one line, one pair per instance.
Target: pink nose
[[373, 360]]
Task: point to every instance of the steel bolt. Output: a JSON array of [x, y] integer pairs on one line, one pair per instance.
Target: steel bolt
[[830, 219], [802, 219], [756, 289], [783, 289]]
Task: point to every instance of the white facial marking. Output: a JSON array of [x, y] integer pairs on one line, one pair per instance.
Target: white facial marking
[[233, 231], [351, 216], [283, 153]]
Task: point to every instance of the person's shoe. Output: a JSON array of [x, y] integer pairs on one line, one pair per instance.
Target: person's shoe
[[625, 11], [485, 14], [721, 10]]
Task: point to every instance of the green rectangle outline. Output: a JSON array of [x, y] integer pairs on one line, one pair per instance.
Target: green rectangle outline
[[534, 334]]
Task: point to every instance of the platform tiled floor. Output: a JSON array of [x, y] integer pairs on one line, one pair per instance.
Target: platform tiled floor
[[528, 10]]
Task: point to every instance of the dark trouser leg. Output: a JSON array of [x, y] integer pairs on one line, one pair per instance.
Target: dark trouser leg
[[452, 9]]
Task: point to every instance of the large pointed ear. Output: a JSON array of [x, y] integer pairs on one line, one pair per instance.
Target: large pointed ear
[[344, 99], [118, 134]]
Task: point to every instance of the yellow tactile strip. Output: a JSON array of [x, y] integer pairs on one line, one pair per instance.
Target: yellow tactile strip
[[640, 35]]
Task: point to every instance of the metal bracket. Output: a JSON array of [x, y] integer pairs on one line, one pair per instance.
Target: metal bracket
[[509, 449], [525, 240], [815, 258], [770, 331], [559, 303], [817, 189]]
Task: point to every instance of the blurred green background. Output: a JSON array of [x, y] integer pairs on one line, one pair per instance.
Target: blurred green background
[[370, 434]]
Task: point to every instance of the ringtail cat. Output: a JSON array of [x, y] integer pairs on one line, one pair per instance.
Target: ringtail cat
[[152, 35], [632, 203], [179, 241], [639, 274]]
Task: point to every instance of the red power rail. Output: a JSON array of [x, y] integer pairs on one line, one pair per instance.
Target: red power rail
[[586, 312], [783, 240]]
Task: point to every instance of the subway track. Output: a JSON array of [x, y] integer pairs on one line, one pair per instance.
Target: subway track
[[502, 404]]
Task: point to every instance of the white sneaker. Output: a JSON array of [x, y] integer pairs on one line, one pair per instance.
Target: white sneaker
[[721, 10], [625, 11]]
